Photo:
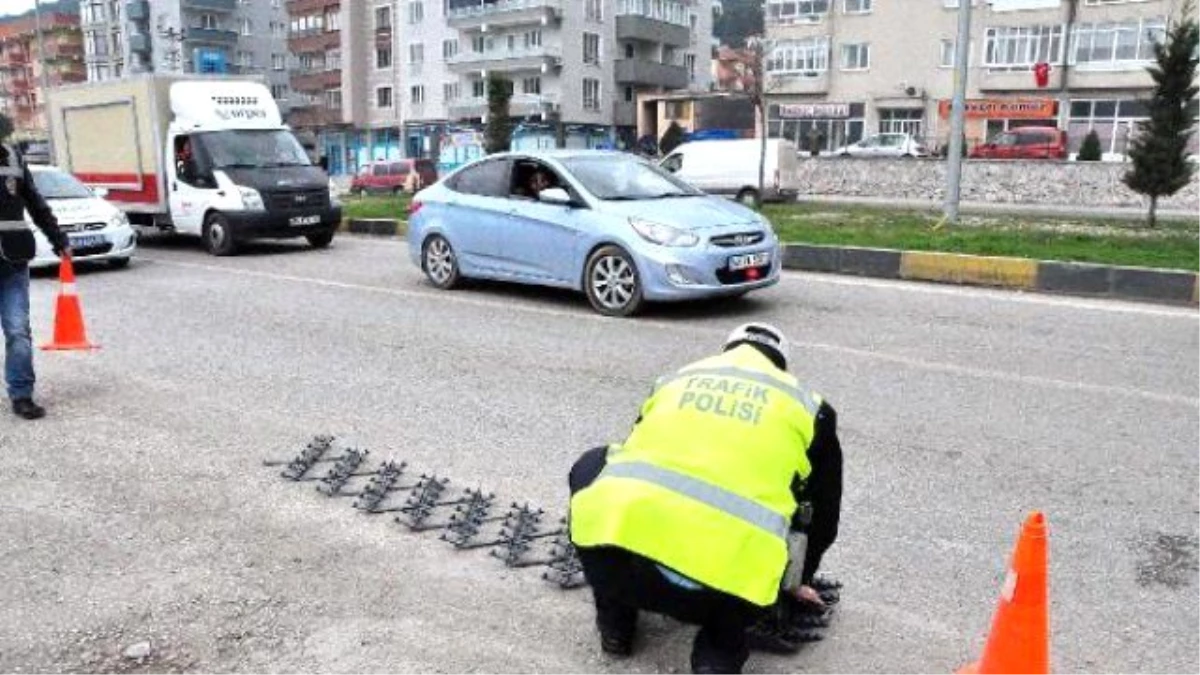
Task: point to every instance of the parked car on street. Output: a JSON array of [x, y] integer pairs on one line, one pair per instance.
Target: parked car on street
[[394, 177], [730, 168], [1024, 143], [99, 231], [884, 145], [611, 225]]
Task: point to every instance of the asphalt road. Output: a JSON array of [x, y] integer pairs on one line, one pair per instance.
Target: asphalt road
[[140, 510]]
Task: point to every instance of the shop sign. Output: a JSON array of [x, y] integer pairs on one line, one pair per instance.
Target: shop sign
[[1000, 108], [793, 111]]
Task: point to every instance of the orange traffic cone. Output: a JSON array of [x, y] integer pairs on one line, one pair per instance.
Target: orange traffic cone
[[1020, 637], [69, 332]]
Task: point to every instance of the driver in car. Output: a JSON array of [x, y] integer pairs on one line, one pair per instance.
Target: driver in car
[[539, 179]]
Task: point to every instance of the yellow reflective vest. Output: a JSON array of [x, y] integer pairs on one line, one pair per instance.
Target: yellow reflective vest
[[703, 483]]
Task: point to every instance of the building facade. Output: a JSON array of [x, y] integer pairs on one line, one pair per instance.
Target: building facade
[[408, 78], [190, 36], [840, 70], [24, 59]]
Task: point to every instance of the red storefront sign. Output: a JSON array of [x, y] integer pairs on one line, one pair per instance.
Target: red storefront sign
[[999, 108]]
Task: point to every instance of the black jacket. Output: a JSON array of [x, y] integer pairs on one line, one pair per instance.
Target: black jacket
[[822, 491], [18, 193]]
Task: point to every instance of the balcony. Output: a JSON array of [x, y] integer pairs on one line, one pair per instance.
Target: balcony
[[650, 73], [487, 13], [303, 7], [520, 105], [541, 59], [138, 10], [210, 35], [799, 82], [634, 27], [309, 115], [317, 81], [314, 41], [64, 51], [210, 5]]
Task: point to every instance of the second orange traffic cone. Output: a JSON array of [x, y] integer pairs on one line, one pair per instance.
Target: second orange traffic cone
[[1020, 638], [69, 331]]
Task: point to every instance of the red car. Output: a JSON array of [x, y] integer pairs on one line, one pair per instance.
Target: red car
[[1025, 143], [395, 177]]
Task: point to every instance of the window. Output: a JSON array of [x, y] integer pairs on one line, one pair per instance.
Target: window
[[486, 179], [416, 53], [901, 121], [531, 85], [478, 89], [279, 92], [333, 20], [450, 91], [629, 94], [245, 59], [1114, 121], [533, 39], [591, 48], [247, 27], [591, 94], [333, 59], [1021, 47], [278, 62], [689, 62], [333, 99], [856, 6], [449, 49], [1116, 45], [416, 94], [856, 56], [592, 10], [383, 18], [793, 11], [808, 56], [669, 11], [383, 97], [479, 44], [629, 50], [383, 57], [209, 22], [830, 128], [416, 11]]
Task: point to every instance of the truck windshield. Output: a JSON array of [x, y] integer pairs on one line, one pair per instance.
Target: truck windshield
[[247, 148]]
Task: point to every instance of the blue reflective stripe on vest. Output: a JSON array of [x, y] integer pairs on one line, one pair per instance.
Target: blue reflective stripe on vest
[[706, 493], [803, 395]]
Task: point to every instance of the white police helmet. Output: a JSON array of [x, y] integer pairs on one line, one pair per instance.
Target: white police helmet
[[761, 334]]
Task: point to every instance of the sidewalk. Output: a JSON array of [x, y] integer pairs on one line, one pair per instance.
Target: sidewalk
[[993, 208]]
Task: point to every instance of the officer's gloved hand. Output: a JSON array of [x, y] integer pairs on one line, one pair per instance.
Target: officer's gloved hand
[[61, 245]]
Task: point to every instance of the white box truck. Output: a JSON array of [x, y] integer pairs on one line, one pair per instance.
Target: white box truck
[[194, 154]]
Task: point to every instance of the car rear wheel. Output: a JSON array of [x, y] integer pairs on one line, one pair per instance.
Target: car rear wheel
[[612, 283], [439, 263]]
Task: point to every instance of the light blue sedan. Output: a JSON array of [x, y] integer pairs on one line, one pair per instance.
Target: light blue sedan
[[608, 224]]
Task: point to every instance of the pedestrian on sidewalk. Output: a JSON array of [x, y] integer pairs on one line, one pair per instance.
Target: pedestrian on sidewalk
[[18, 193]]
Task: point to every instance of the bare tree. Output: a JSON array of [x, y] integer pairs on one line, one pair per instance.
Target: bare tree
[[758, 88]]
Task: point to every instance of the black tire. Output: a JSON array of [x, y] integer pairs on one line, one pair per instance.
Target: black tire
[[439, 263], [218, 237], [612, 283], [321, 239], [748, 197], [119, 263]]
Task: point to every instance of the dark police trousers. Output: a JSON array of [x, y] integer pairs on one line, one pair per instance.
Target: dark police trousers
[[624, 582]]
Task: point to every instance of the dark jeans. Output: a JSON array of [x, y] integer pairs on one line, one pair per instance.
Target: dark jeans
[[624, 582], [18, 342]]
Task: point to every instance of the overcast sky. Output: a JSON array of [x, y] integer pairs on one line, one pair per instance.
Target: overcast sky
[[14, 6]]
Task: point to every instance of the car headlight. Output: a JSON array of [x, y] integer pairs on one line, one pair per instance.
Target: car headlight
[[119, 220], [333, 198], [251, 199], [663, 235]]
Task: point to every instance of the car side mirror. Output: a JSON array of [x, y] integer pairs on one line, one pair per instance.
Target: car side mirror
[[100, 192], [555, 196]]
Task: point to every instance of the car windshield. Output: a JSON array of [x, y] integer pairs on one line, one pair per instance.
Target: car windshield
[[245, 148], [60, 185], [620, 178]]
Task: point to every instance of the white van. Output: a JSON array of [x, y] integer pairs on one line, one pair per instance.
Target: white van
[[730, 168]]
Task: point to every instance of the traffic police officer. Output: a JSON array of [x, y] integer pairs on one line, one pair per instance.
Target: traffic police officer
[[17, 247], [698, 514]]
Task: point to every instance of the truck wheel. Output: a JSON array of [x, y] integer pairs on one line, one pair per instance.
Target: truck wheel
[[748, 197], [320, 240], [218, 237]]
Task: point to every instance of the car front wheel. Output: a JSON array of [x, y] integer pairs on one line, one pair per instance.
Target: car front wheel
[[439, 263], [612, 283]]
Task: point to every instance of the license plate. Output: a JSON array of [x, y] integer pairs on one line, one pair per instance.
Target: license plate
[[741, 262], [304, 220], [87, 241]]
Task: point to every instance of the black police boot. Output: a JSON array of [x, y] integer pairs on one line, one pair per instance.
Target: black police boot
[[27, 409]]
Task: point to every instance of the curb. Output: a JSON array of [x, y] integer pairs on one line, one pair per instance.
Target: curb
[[1043, 276], [1022, 274]]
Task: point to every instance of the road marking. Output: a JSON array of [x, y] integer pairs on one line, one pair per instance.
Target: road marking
[[691, 329]]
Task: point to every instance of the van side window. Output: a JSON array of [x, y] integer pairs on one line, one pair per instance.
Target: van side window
[[190, 166], [673, 163]]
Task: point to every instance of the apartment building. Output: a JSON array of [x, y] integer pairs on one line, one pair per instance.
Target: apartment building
[[392, 78], [190, 36], [842, 69], [22, 60]]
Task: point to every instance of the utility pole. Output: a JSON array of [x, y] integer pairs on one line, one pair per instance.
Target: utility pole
[[45, 72], [958, 112]]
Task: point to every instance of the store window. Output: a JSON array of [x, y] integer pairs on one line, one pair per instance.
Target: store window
[[902, 121], [831, 126]]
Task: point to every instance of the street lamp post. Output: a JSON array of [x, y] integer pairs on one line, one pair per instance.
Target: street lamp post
[[958, 112], [45, 77]]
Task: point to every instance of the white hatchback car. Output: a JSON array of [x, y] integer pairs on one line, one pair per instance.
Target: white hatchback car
[[99, 231], [884, 145]]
